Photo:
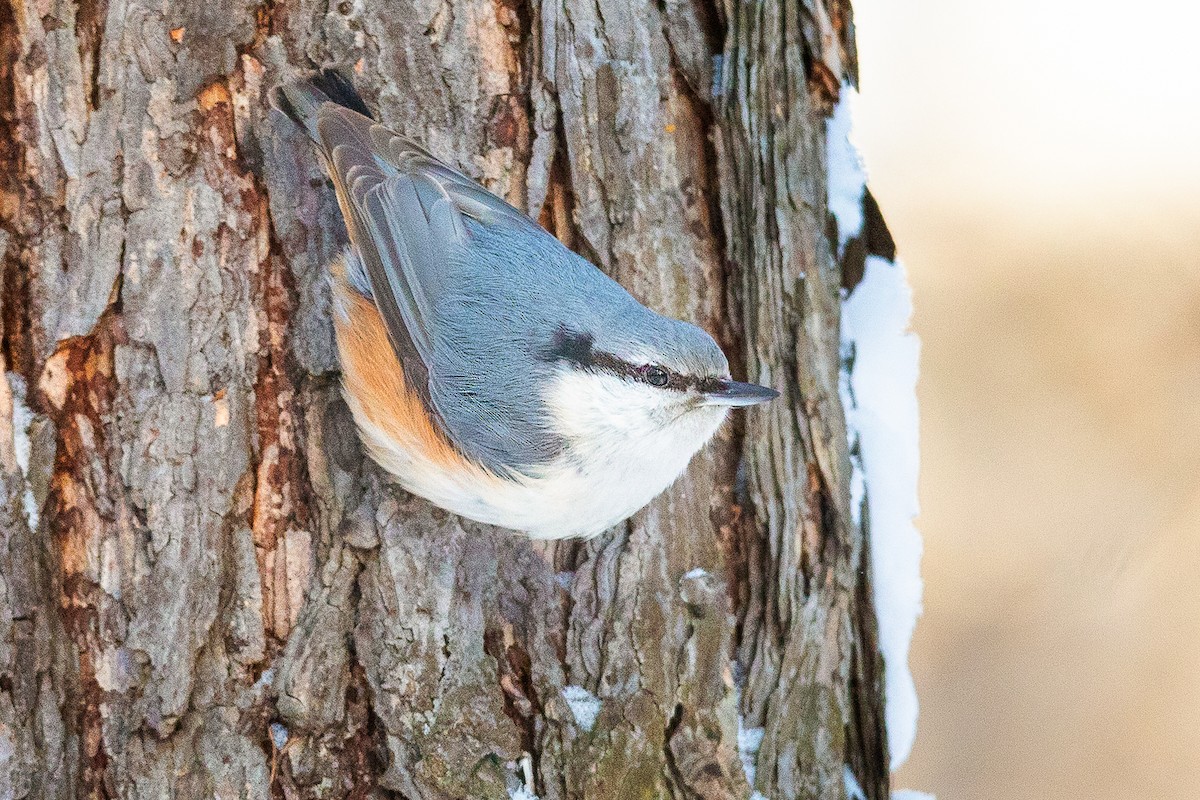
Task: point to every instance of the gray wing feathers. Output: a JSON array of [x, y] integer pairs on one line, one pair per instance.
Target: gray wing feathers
[[464, 195], [402, 244], [407, 212], [354, 169]]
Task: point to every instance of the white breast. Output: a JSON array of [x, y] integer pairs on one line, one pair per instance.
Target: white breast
[[624, 446]]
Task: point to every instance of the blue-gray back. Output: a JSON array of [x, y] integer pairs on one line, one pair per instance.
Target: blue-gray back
[[474, 294]]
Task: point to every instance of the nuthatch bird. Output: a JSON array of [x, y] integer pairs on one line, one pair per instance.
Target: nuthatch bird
[[489, 369]]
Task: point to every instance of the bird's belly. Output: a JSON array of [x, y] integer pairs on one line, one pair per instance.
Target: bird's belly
[[565, 499], [561, 502]]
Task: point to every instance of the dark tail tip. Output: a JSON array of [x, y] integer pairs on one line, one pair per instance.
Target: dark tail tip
[[338, 88], [300, 98]]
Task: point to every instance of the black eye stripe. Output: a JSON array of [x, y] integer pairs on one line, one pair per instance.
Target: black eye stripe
[[663, 378], [574, 347], [579, 349]]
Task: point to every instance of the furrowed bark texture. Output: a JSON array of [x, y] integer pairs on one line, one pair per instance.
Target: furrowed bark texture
[[207, 590]]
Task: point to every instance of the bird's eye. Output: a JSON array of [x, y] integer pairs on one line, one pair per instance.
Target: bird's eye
[[656, 376]]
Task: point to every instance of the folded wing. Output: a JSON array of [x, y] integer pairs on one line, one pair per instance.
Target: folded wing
[[407, 214]]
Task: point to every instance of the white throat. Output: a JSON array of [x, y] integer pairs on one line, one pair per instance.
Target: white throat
[[626, 441]]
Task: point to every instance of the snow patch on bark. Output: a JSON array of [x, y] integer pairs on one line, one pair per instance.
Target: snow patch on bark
[[585, 706], [749, 741], [22, 419], [279, 735], [523, 788], [878, 388], [850, 782], [879, 395], [844, 167]]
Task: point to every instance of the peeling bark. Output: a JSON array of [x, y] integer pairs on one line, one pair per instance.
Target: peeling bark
[[222, 597]]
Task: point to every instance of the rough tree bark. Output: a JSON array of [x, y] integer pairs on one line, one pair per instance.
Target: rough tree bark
[[206, 590]]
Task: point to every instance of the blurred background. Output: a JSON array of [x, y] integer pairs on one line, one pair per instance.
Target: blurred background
[[1038, 163]]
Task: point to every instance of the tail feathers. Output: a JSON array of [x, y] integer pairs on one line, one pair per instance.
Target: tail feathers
[[300, 98]]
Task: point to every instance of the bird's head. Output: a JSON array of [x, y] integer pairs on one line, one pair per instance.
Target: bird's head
[[660, 385]]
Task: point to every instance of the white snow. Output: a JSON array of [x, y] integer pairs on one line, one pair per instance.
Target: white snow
[[912, 794], [695, 573], [264, 680], [749, 741], [22, 418], [279, 735], [878, 390], [523, 791], [847, 176], [853, 788], [881, 415], [585, 706]]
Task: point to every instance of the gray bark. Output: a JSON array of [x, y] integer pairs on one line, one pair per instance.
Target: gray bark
[[222, 597]]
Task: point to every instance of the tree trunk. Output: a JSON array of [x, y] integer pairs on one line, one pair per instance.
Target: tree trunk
[[207, 590]]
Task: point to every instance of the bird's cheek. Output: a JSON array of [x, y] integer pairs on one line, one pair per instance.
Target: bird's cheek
[[697, 404], [708, 417]]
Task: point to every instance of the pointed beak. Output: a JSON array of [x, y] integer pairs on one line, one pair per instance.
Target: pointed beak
[[735, 393]]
